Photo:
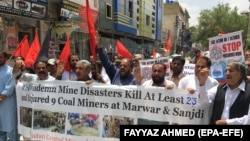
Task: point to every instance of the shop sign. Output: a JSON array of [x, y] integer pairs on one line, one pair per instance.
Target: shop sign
[[28, 8]]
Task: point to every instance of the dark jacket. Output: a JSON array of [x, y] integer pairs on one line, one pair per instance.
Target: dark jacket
[[238, 109], [113, 72]]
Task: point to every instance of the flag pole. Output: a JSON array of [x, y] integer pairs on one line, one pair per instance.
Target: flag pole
[[10, 58]]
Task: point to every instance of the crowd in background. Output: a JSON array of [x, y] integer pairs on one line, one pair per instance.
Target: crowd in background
[[230, 99]]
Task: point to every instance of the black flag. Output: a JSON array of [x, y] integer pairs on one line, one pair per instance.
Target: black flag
[[43, 54]]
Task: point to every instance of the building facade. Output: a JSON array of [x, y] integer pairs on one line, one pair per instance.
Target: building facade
[[174, 19], [139, 24]]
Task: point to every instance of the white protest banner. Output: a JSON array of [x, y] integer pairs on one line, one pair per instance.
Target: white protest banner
[[71, 110], [188, 69], [224, 49]]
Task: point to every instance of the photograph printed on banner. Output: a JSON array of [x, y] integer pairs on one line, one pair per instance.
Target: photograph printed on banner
[[83, 124], [26, 116], [111, 125], [49, 121]]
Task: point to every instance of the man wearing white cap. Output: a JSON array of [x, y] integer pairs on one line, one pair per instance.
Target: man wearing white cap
[[52, 67]]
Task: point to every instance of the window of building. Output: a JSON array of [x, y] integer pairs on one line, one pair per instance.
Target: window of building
[[147, 20], [153, 7], [122, 6], [108, 11], [130, 8]]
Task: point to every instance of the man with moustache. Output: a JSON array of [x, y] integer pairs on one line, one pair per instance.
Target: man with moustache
[[177, 66], [158, 77], [8, 108], [231, 100], [118, 76], [41, 71], [200, 82], [68, 74], [83, 68]]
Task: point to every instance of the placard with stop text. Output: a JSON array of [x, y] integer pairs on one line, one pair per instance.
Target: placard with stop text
[[224, 49]]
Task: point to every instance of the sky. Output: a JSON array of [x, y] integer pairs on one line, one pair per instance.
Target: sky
[[194, 7]]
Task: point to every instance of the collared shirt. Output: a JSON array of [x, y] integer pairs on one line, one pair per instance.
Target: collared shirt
[[177, 79], [69, 75], [230, 98], [27, 77], [191, 81], [33, 77]]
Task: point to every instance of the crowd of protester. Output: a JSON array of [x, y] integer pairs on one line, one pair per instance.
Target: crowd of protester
[[230, 99]]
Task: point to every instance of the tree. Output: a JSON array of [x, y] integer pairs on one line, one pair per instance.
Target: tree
[[220, 18]]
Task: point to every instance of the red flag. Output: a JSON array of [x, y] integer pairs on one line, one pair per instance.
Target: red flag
[[154, 53], [92, 31], [22, 48], [169, 42], [33, 52], [122, 51], [65, 54]]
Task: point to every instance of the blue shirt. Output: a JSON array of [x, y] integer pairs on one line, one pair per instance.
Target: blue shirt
[[8, 107]]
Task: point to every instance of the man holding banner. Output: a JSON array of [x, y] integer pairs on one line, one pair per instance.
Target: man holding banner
[[200, 82]]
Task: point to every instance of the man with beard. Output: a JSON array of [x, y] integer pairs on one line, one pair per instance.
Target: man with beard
[[177, 66], [158, 77], [68, 73], [41, 71], [118, 76]]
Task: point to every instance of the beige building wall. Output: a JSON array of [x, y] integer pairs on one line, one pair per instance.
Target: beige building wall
[[171, 11]]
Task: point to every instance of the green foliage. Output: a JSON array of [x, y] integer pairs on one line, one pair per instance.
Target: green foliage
[[220, 18]]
